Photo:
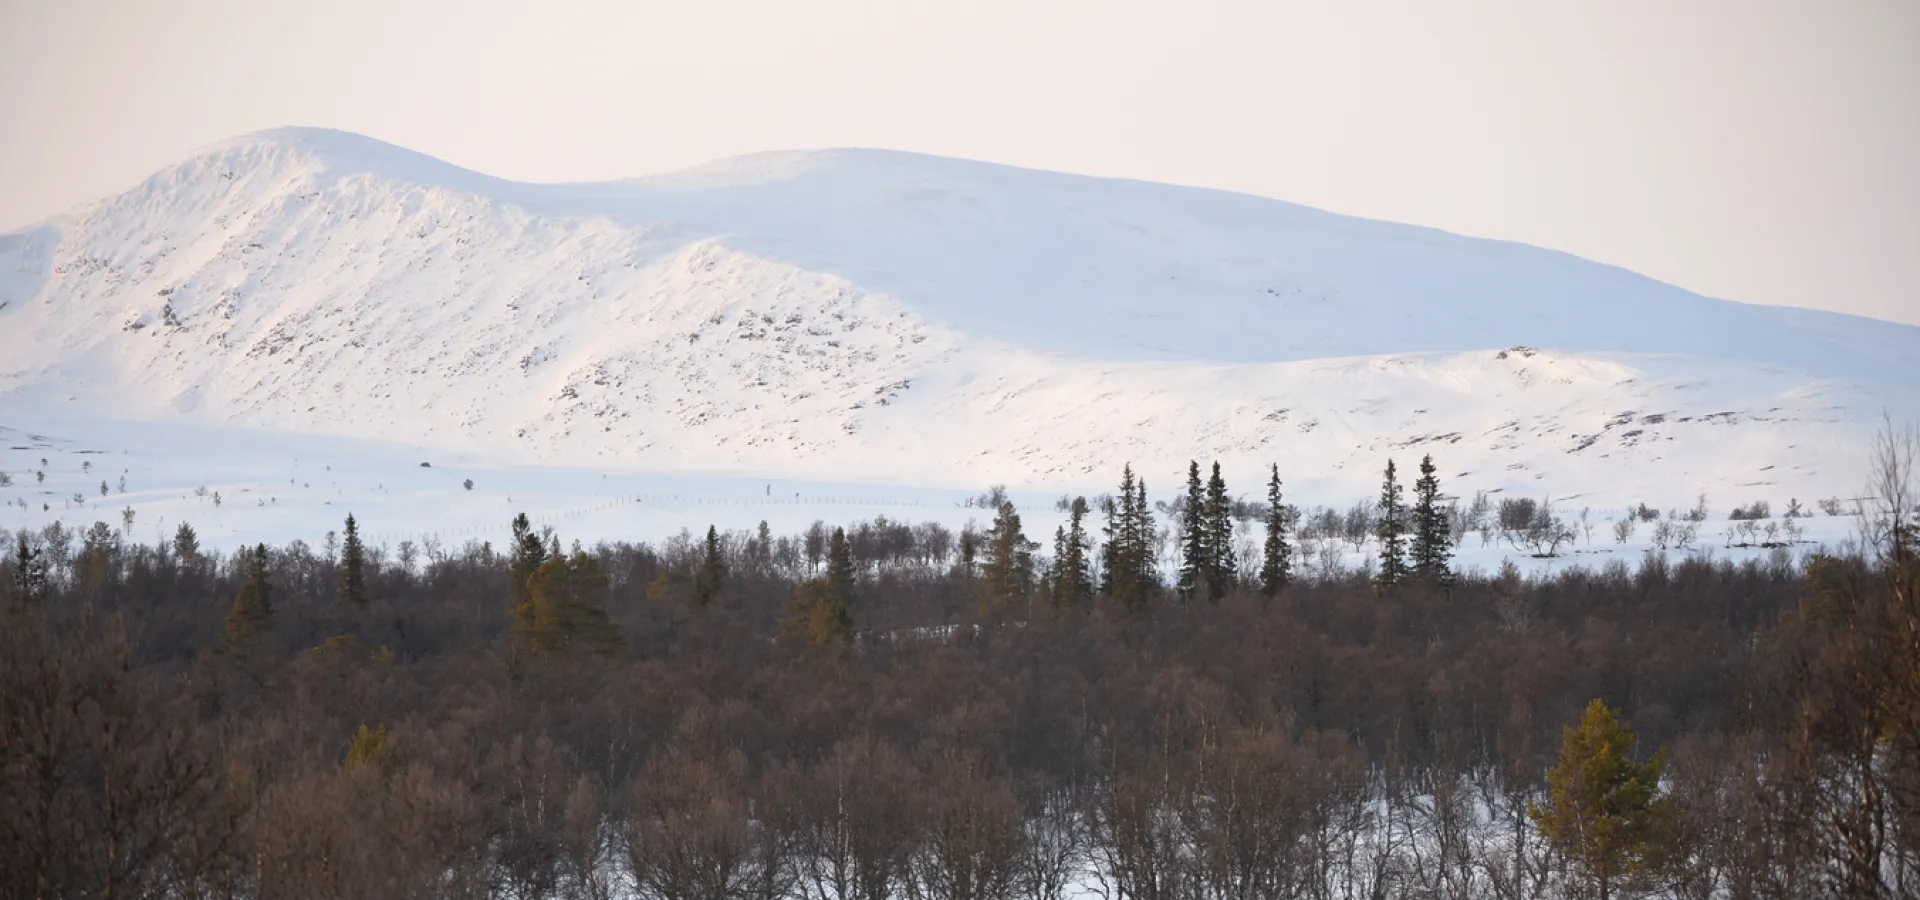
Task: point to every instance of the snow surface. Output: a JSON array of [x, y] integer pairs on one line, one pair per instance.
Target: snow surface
[[830, 319]]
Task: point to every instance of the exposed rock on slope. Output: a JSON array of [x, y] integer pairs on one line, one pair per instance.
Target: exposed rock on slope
[[883, 316]]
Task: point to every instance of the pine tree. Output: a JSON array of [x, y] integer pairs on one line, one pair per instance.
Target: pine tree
[[1223, 565], [1432, 548], [1009, 561], [713, 571], [353, 582], [252, 610], [368, 747], [1196, 557], [564, 608], [818, 616], [1605, 812], [1276, 566], [1392, 527]]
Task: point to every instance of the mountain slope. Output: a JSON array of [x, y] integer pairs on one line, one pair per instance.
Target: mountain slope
[[884, 316]]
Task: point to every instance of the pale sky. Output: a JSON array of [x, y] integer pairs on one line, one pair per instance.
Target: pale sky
[[1755, 150]]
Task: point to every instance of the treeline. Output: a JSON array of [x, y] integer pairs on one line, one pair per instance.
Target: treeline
[[878, 711]]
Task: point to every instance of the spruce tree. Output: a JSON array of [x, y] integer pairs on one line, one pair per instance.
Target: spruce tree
[[1112, 569], [353, 582], [840, 574], [186, 545], [1276, 566], [821, 613], [1053, 585], [969, 552], [713, 571], [1130, 577], [1390, 531], [1196, 557], [1432, 547], [1140, 567], [529, 554], [1073, 584], [29, 571], [1223, 565], [252, 608]]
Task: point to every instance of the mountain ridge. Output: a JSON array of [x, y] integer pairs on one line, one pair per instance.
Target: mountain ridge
[[907, 317]]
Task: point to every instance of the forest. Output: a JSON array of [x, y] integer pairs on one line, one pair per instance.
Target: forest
[[883, 711]]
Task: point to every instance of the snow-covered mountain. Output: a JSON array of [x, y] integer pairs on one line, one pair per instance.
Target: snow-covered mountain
[[886, 317]]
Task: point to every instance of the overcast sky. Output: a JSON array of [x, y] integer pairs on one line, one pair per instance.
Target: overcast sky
[[1754, 150]]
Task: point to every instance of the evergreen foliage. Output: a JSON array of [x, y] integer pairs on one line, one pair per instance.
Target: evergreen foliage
[[712, 576], [1127, 558], [1008, 568], [1072, 583], [818, 615], [29, 570], [1432, 555], [1391, 531], [353, 564], [1276, 565], [840, 572], [186, 545], [529, 552], [1196, 560], [1223, 565], [969, 553], [564, 609], [368, 747], [821, 613], [1605, 812], [252, 610]]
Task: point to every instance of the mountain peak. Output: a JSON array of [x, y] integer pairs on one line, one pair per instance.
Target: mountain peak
[[317, 151]]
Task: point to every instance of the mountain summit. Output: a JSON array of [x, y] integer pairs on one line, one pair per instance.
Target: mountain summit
[[883, 315]]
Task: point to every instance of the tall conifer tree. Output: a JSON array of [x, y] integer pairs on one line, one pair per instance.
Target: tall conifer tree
[[1196, 556], [713, 570], [1432, 547], [1008, 568], [564, 608], [1223, 565], [1391, 531], [1073, 584], [353, 560], [1130, 577], [29, 570], [1604, 811], [821, 613], [252, 608], [529, 553], [840, 574], [1276, 566]]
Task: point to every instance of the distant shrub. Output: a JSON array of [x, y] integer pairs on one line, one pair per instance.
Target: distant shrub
[[1756, 510]]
